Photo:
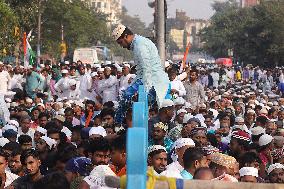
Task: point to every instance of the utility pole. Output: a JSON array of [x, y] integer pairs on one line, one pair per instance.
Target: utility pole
[[38, 32], [160, 29]]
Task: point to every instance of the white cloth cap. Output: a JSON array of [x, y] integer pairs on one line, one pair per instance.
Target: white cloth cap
[[263, 111], [66, 62], [118, 31], [107, 68], [49, 141], [97, 65], [257, 130], [72, 82], [239, 119], [179, 101], [93, 74], [187, 117], [167, 64], [274, 166], [64, 71], [181, 111], [29, 100], [187, 105], [126, 65], [9, 126], [14, 122], [3, 141], [41, 130], [155, 148], [167, 103], [251, 171], [107, 62], [251, 111], [96, 179], [119, 69], [181, 142], [101, 69], [98, 131], [265, 139]]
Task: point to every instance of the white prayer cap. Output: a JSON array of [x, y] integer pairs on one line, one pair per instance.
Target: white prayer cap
[[98, 131], [239, 119], [29, 100], [96, 179], [257, 131], [8, 126], [41, 130], [181, 111], [1, 63], [64, 71], [118, 31], [119, 69], [251, 111], [263, 111], [66, 62], [72, 82], [45, 93], [101, 69], [156, 148], [30, 67], [14, 122], [60, 117], [161, 125], [126, 65], [97, 65], [94, 74], [179, 101], [274, 166], [8, 100], [49, 141], [187, 117], [187, 105], [107, 68], [250, 171], [167, 103], [265, 139], [107, 62], [181, 142], [13, 104], [3, 141]]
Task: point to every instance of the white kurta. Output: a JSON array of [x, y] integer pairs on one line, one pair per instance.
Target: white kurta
[[62, 87], [215, 77], [109, 89], [5, 81], [85, 85], [178, 85], [16, 81], [123, 83]]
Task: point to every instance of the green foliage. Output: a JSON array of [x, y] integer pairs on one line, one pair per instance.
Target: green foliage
[[8, 21], [82, 26], [255, 34]]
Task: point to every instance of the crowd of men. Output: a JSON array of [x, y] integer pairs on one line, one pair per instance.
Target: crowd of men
[[221, 124], [59, 126]]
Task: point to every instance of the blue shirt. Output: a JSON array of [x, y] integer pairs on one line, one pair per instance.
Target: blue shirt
[[149, 68], [186, 175]]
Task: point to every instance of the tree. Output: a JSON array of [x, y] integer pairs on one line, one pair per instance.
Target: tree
[[255, 34], [82, 26], [8, 22]]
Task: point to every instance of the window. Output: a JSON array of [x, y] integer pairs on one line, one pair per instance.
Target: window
[[99, 4]]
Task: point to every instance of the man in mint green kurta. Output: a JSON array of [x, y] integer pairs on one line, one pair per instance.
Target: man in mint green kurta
[[34, 83]]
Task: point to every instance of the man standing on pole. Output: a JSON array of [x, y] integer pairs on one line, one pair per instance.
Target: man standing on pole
[[149, 68]]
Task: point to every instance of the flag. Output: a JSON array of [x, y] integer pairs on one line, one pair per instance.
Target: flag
[[28, 52]]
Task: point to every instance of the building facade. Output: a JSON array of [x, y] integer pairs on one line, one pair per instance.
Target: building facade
[[248, 3], [111, 8], [177, 36]]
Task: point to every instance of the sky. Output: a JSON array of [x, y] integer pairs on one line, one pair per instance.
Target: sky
[[193, 8]]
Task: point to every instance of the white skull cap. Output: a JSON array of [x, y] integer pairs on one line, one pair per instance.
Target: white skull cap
[[118, 31]]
